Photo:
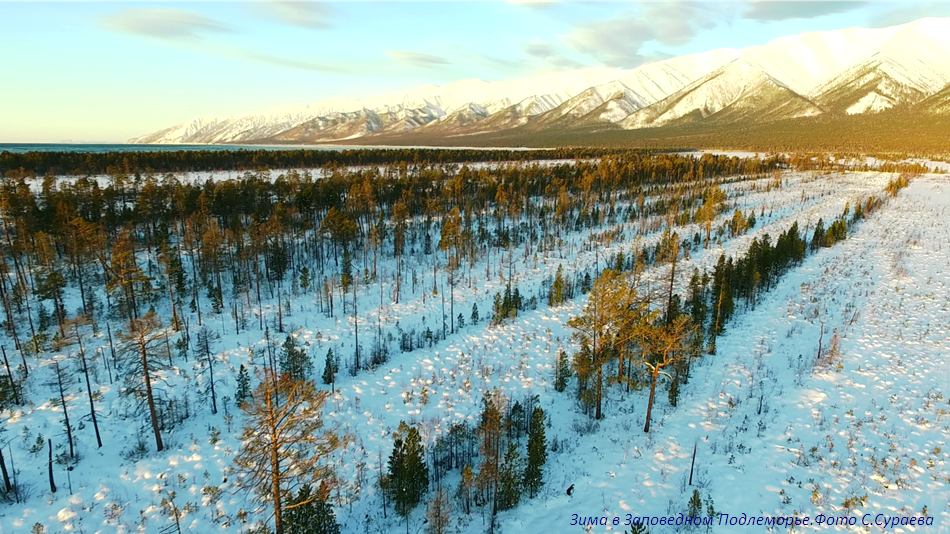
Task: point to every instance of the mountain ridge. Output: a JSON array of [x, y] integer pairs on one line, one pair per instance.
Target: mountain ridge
[[849, 71]]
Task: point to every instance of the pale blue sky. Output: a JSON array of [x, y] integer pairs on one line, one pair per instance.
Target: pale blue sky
[[104, 72]]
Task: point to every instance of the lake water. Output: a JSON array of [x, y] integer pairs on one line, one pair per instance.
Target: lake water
[[94, 147]]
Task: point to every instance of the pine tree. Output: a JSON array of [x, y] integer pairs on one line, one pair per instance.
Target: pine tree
[[285, 444], [537, 453], [695, 506], [63, 379], [305, 279], [474, 314], [556, 296], [408, 472], [309, 513], [243, 392], [510, 477], [490, 431], [464, 493], [664, 345], [562, 371], [818, 236], [143, 350], [330, 370], [294, 360], [205, 356]]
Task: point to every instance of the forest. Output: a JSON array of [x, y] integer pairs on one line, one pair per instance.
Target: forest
[[150, 304]]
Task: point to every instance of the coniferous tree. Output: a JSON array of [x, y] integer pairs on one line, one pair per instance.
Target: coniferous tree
[[474, 316], [205, 356], [562, 371], [285, 443], [243, 392], [62, 379], [611, 319], [491, 433], [510, 478], [309, 513], [408, 472], [466, 484], [73, 335], [818, 236], [294, 360], [537, 453], [695, 506], [557, 296], [451, 237], [304, 279], [143, 351], [663, 346], [330, 370]]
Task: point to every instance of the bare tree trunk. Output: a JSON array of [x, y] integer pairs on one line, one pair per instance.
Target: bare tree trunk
[[151, 398], [656, 376], [62, 398], [92, 406], [6, 476], [52, 484], [16, 395]]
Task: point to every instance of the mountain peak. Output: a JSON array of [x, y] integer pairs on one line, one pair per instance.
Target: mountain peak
[[854, 70]]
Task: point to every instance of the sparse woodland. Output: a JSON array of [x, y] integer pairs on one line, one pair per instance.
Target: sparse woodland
[[263, 310]]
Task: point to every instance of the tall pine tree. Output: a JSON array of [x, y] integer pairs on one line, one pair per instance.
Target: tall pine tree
[[243, 392], [294, 360], [330, 370], [537, 453], [408, 472]]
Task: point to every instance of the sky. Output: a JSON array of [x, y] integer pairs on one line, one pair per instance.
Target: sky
[[109, 71]]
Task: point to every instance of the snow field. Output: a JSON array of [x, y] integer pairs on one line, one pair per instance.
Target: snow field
[[613, 465]]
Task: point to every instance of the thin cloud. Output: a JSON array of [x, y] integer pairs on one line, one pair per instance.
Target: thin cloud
[[310, 15], [187, 29], [550, 54], [164, 23], [618, 41], [769, 10], [311, 66], [533, 5], [417, 59]]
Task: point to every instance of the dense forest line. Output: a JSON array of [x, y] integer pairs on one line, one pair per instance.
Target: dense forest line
[[893, 133], [40, 163]]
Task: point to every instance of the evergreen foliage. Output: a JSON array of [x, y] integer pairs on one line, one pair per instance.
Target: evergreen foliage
[[294, 360], [408, 472], [537, 454], [283, 428], [510, 478], [310, 513], [562, 371], [330, 368], [558, 293], [243, 392], [695, 506]]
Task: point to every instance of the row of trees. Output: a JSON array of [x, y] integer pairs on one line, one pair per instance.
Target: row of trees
[[627, 323], [40, 163]]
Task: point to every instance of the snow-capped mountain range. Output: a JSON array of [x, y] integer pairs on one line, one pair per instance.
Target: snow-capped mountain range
[[850, 71]]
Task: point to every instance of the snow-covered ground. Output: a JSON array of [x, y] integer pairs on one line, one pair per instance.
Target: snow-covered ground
[[775, 434]]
